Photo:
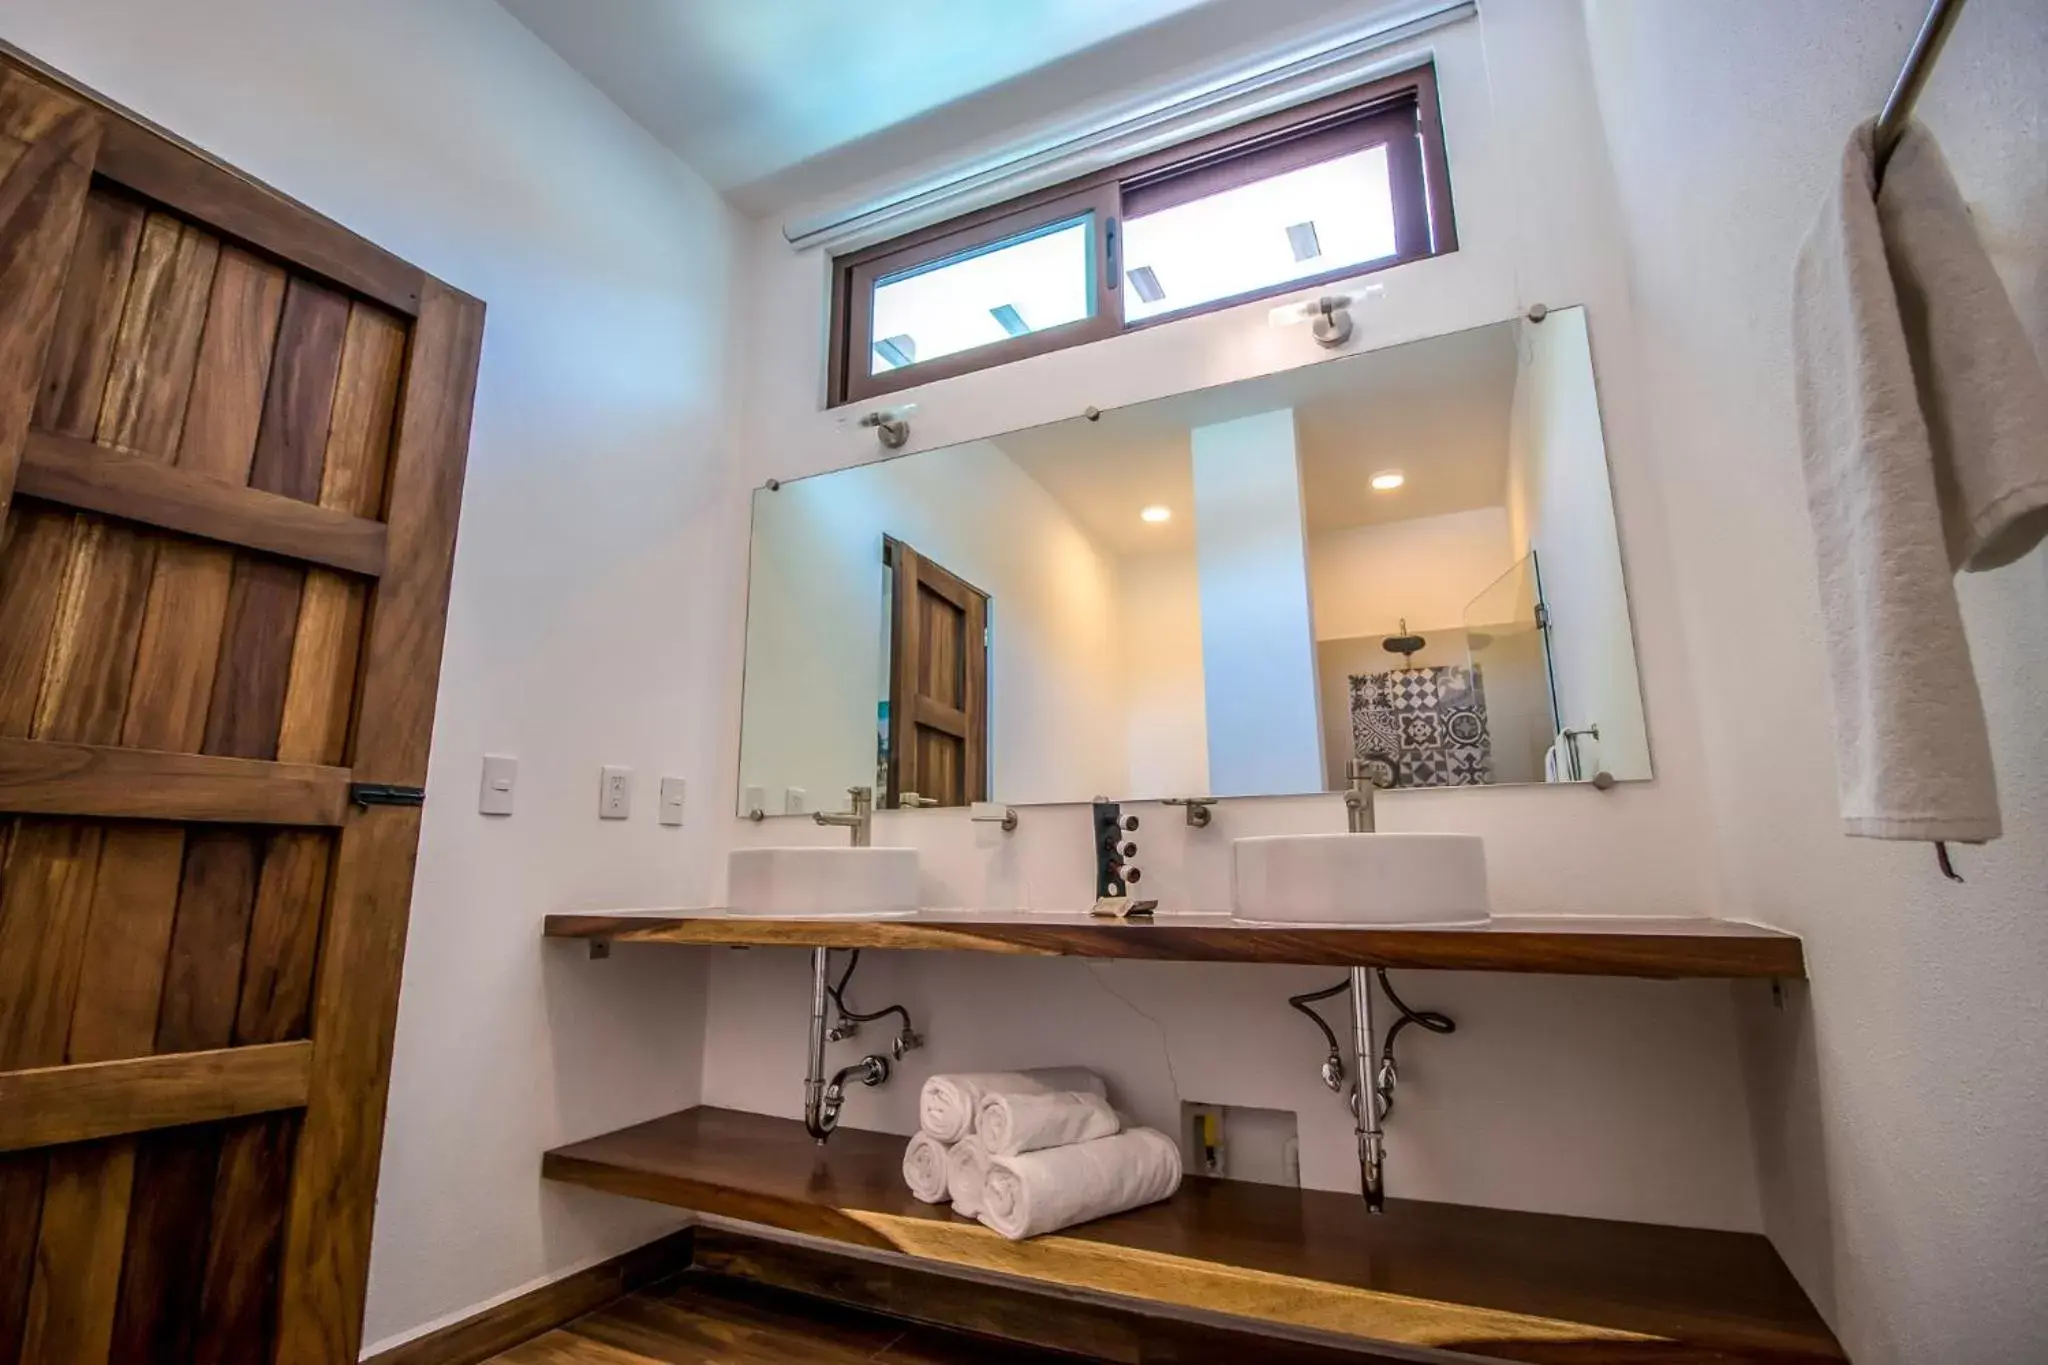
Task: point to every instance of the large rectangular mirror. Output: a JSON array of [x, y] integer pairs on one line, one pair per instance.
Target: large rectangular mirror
[[1402, 563]]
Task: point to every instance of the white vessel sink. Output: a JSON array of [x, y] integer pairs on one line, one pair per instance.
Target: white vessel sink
[[1360, 879], [822, 883]]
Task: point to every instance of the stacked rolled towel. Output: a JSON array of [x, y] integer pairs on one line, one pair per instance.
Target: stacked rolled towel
[[1043, 1191], [924, 1168], [1010, 1124], [966, 1173], [947, 1105]]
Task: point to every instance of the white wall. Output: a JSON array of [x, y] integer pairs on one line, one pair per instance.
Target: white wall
[[815, 659], [1159, 626], [1899, 1099], [1368, 579], [448, 134], [1560, 507], [1258, 650], [1639, 1111]]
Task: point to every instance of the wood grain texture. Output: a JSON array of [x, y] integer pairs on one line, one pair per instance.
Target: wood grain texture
[[331, 612], [104, 590], [1093, 1326], [238, 1287], [47, 1106], [85, 1214], [49, 778], [315, 411], [37, 934], [708, 1319], [334, 1179], [1490, 1282], [92, 478], [188, 591], [1587, 945], [505, 1325], [160, 1308], [263, 605], [155, 167], [48, 141], [81, 352], [135, 973]]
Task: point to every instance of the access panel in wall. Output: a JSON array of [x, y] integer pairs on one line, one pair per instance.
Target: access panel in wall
[[1402, 564]]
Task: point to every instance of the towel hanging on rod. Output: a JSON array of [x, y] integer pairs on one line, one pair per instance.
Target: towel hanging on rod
[[1891, 126], [1926, 50]]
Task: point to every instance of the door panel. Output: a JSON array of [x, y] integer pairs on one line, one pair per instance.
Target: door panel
[[938, 690], [231, 448]]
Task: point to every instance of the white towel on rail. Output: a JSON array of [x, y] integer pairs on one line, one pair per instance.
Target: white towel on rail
[[1008, 1124], [966, 1173], [1924, 422], [1040, 1192], [947, 1104], [924, 1168]]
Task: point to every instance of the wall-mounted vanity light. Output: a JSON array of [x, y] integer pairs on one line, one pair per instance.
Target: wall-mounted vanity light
[[892, 425], [1328, 318]]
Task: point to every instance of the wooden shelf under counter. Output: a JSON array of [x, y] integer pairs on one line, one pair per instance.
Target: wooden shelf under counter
[[1492, 1283], [1581, 945]]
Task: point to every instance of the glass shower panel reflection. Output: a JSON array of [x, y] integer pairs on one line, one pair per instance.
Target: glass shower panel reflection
[[1509, 649]]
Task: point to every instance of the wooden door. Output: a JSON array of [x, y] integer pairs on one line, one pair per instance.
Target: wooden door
[[938, 684], [231, 450]]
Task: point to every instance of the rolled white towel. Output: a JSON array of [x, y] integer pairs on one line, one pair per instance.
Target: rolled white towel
[[1009, 1124], [946, 1105], [1039, 1192], [966, 1170], [924, 1168]]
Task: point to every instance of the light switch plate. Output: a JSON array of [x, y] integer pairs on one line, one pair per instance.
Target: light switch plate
[[671, 812], [796, 801], [494, 795], [753, 799], [615, 794]]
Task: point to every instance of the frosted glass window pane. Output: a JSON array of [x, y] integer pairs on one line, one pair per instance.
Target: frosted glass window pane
[[1254, 236], [1011, 288]]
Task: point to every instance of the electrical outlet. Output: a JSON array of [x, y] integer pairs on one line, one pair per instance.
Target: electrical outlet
[[671, 801], [796, 801], [615, 794], [753, 801]]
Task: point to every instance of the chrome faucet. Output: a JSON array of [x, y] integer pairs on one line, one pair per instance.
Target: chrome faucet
[[1358, 799], [861, 819]]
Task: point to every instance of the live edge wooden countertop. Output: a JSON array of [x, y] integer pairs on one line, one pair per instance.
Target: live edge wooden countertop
[[1581, 945], [1493, 1283]]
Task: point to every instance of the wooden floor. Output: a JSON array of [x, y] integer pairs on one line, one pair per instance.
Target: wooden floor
[[709, 1320]]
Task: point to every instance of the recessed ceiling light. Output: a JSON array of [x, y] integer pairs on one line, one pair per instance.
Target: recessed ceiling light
[[1156, 514], [1387, 480]]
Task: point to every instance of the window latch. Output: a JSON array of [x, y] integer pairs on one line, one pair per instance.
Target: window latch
[[1109, 251]]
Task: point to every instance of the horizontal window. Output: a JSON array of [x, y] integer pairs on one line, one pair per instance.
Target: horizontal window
[[1351, 184], [1027, 283]]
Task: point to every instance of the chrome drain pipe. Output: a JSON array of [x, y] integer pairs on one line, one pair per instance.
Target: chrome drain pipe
[[1365, 1100], [824, 1099], [815, 1122]]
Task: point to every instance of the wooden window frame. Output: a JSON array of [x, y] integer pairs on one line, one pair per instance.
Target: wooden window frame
[[1381, 113]]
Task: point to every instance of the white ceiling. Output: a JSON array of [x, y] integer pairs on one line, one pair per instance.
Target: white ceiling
[[1437, 410], [779, 102]]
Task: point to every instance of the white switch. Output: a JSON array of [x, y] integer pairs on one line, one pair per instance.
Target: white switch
[[671, 812], [754, 801], [615, 794], [494, 797], [795, 801]]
